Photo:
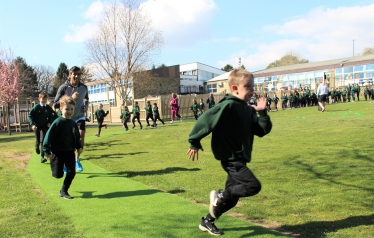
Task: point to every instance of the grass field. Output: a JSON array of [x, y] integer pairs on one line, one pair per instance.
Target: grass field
[[315, 168]]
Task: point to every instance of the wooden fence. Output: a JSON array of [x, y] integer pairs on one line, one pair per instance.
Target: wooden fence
[[17, 115], [163, 103]]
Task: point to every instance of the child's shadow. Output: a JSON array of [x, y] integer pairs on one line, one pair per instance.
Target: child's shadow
[[90, 194]]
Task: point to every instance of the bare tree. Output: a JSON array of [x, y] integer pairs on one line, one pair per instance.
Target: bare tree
[[289, 58], [368, 51], [123, 45], [45, 76], [87, 76]]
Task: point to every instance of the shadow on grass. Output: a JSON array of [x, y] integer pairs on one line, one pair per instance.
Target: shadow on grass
[[253, 231], [107, 143], [335, 169], [130, 174], [16, 137], [321, 228], [176, 191], [113, 156], [90, 194]]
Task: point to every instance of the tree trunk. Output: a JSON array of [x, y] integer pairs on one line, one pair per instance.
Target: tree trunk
[[8, 120]]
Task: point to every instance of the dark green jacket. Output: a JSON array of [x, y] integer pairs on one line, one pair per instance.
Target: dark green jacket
[[194, 107], [233, 125], [100, 114], [136, 111], [155, 111], [201, 106], [125, 115], [40, 116], [366, 91], [62, 136], [148, 109]]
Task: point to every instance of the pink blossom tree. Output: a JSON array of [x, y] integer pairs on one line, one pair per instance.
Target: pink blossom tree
[[10, 87]]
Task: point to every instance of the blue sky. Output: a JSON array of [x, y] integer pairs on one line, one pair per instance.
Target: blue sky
[[212, 32]]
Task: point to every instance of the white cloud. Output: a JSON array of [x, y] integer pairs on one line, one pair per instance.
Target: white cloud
[[94, 10], [80, 33], [84, 32], [321, 34], [182, 22]]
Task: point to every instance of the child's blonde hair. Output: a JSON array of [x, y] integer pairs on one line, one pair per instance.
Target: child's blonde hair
[[237, 75], [65, 100]]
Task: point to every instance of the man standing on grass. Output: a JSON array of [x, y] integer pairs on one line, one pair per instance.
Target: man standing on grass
[[79, 92], [322, 93]]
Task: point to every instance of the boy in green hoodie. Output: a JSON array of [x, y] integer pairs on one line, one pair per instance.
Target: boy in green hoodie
[[60, 143], [125, 116], [99, 115], [41, 117], [233, 125]]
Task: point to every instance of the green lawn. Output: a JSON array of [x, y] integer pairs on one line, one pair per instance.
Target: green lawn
[[315, 168]]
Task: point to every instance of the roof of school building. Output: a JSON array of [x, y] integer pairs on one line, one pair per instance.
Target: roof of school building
[[298, 68], [319, 65]]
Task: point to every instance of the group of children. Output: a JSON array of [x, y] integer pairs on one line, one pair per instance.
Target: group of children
[[307, 98], [232, 122], [151, 113], [57, 138], [197, 108]]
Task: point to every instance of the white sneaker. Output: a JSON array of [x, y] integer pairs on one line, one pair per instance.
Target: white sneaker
[[181, 118], [172, 122]]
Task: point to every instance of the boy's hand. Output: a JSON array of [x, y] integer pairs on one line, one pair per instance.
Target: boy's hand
[[33, 128], [192, 153], [49, 124], [49, 157], [261, 104]]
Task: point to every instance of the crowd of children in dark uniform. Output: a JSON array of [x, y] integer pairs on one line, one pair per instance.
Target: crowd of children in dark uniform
[[298, 98]]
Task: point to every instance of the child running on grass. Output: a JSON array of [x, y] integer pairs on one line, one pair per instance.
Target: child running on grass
[[40, 117], [201, 107], [136, 115], [195, 108], [148, 111], [156, 115], [99, 115], [125, 116], [60, 143], [233, 125]]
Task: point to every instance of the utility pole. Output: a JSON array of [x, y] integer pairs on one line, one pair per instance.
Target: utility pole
[[353, 48]]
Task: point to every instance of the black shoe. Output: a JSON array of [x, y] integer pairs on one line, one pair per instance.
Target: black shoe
[[37, 150], [148, 125], [133, 127], [65, 195], [141, 127], [209, 226], [43, 160]]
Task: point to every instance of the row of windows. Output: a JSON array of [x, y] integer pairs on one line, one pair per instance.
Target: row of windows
[[111, 101], [354, 72], [212, 88], [202, 74], [353, 69], [101, 88]]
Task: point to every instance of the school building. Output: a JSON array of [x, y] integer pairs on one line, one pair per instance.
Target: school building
[[182, 79], [337, 72]]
